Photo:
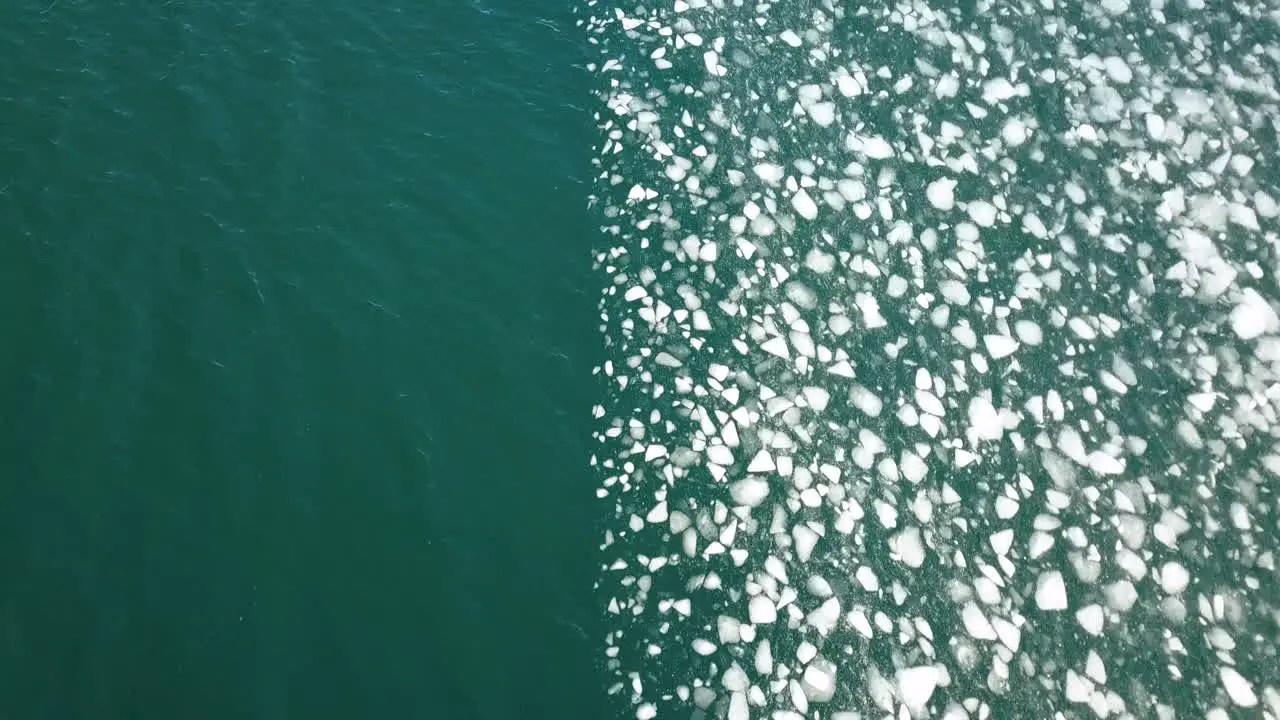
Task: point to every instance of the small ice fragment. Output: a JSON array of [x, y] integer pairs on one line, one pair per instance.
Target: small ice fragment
[[866, 401], [1117, 69], [911, 547], [806, 540], [1253, 316], [1028, 332], [804, 205], [930, 403], [820, 681], [870, 310], [761, 463], [1095, 668], [954, 291], [1000, 346], [761, 610], [1104, 464], [819, 586], [867, 578], [1051, 591], [823, 113], [941, 193], [825, 618], [1155, 126], [982, 212], [1191, 102], [1174, 577], [1009, 633], [976, 623], [816, 397], [985, 419], [924, 381], [1091, 618], [916, 686], [819, 261], [749, 492], [735, 679], [1072, 445], [876, 148], [776, 346], [802, 295], [1077, 688], [770, 172], [1121, 595], [711, 59], [720, 455], [1002, 541], [1239, 689]]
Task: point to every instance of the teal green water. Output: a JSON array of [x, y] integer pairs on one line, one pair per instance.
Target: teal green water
[[296, 361]]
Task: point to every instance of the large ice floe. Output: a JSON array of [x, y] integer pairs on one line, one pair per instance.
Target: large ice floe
[[943, 358]]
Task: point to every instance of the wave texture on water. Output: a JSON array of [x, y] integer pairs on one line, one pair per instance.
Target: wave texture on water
[[943, 357]]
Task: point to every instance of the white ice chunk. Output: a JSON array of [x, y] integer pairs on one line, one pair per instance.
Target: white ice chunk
[[776, 346], [806, 540], [1028, 332], [761, 463], [1253, 316], [825, 617], [870, 310], [703, 647], [761, 610], [820, 681], [1104, 464], [816, 397], [711, 59], [954, 291], [1091, 618], [976, 623], [985, 419], [1239, 689], [804, 205], [1174, 577], [941, 193], [982, 212], [735, 679], [720, 455], [1051, 591], [930, 403], [1000, 346], [749, 492], [876, 148], [770, 173], [910, 547], [916, 686], [1009, 633], [1002, 541], [823, 113], [866, 401]]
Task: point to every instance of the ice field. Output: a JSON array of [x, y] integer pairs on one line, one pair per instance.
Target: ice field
[[943, 358]]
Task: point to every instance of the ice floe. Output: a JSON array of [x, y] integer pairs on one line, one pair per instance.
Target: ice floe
[[943, 359]]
